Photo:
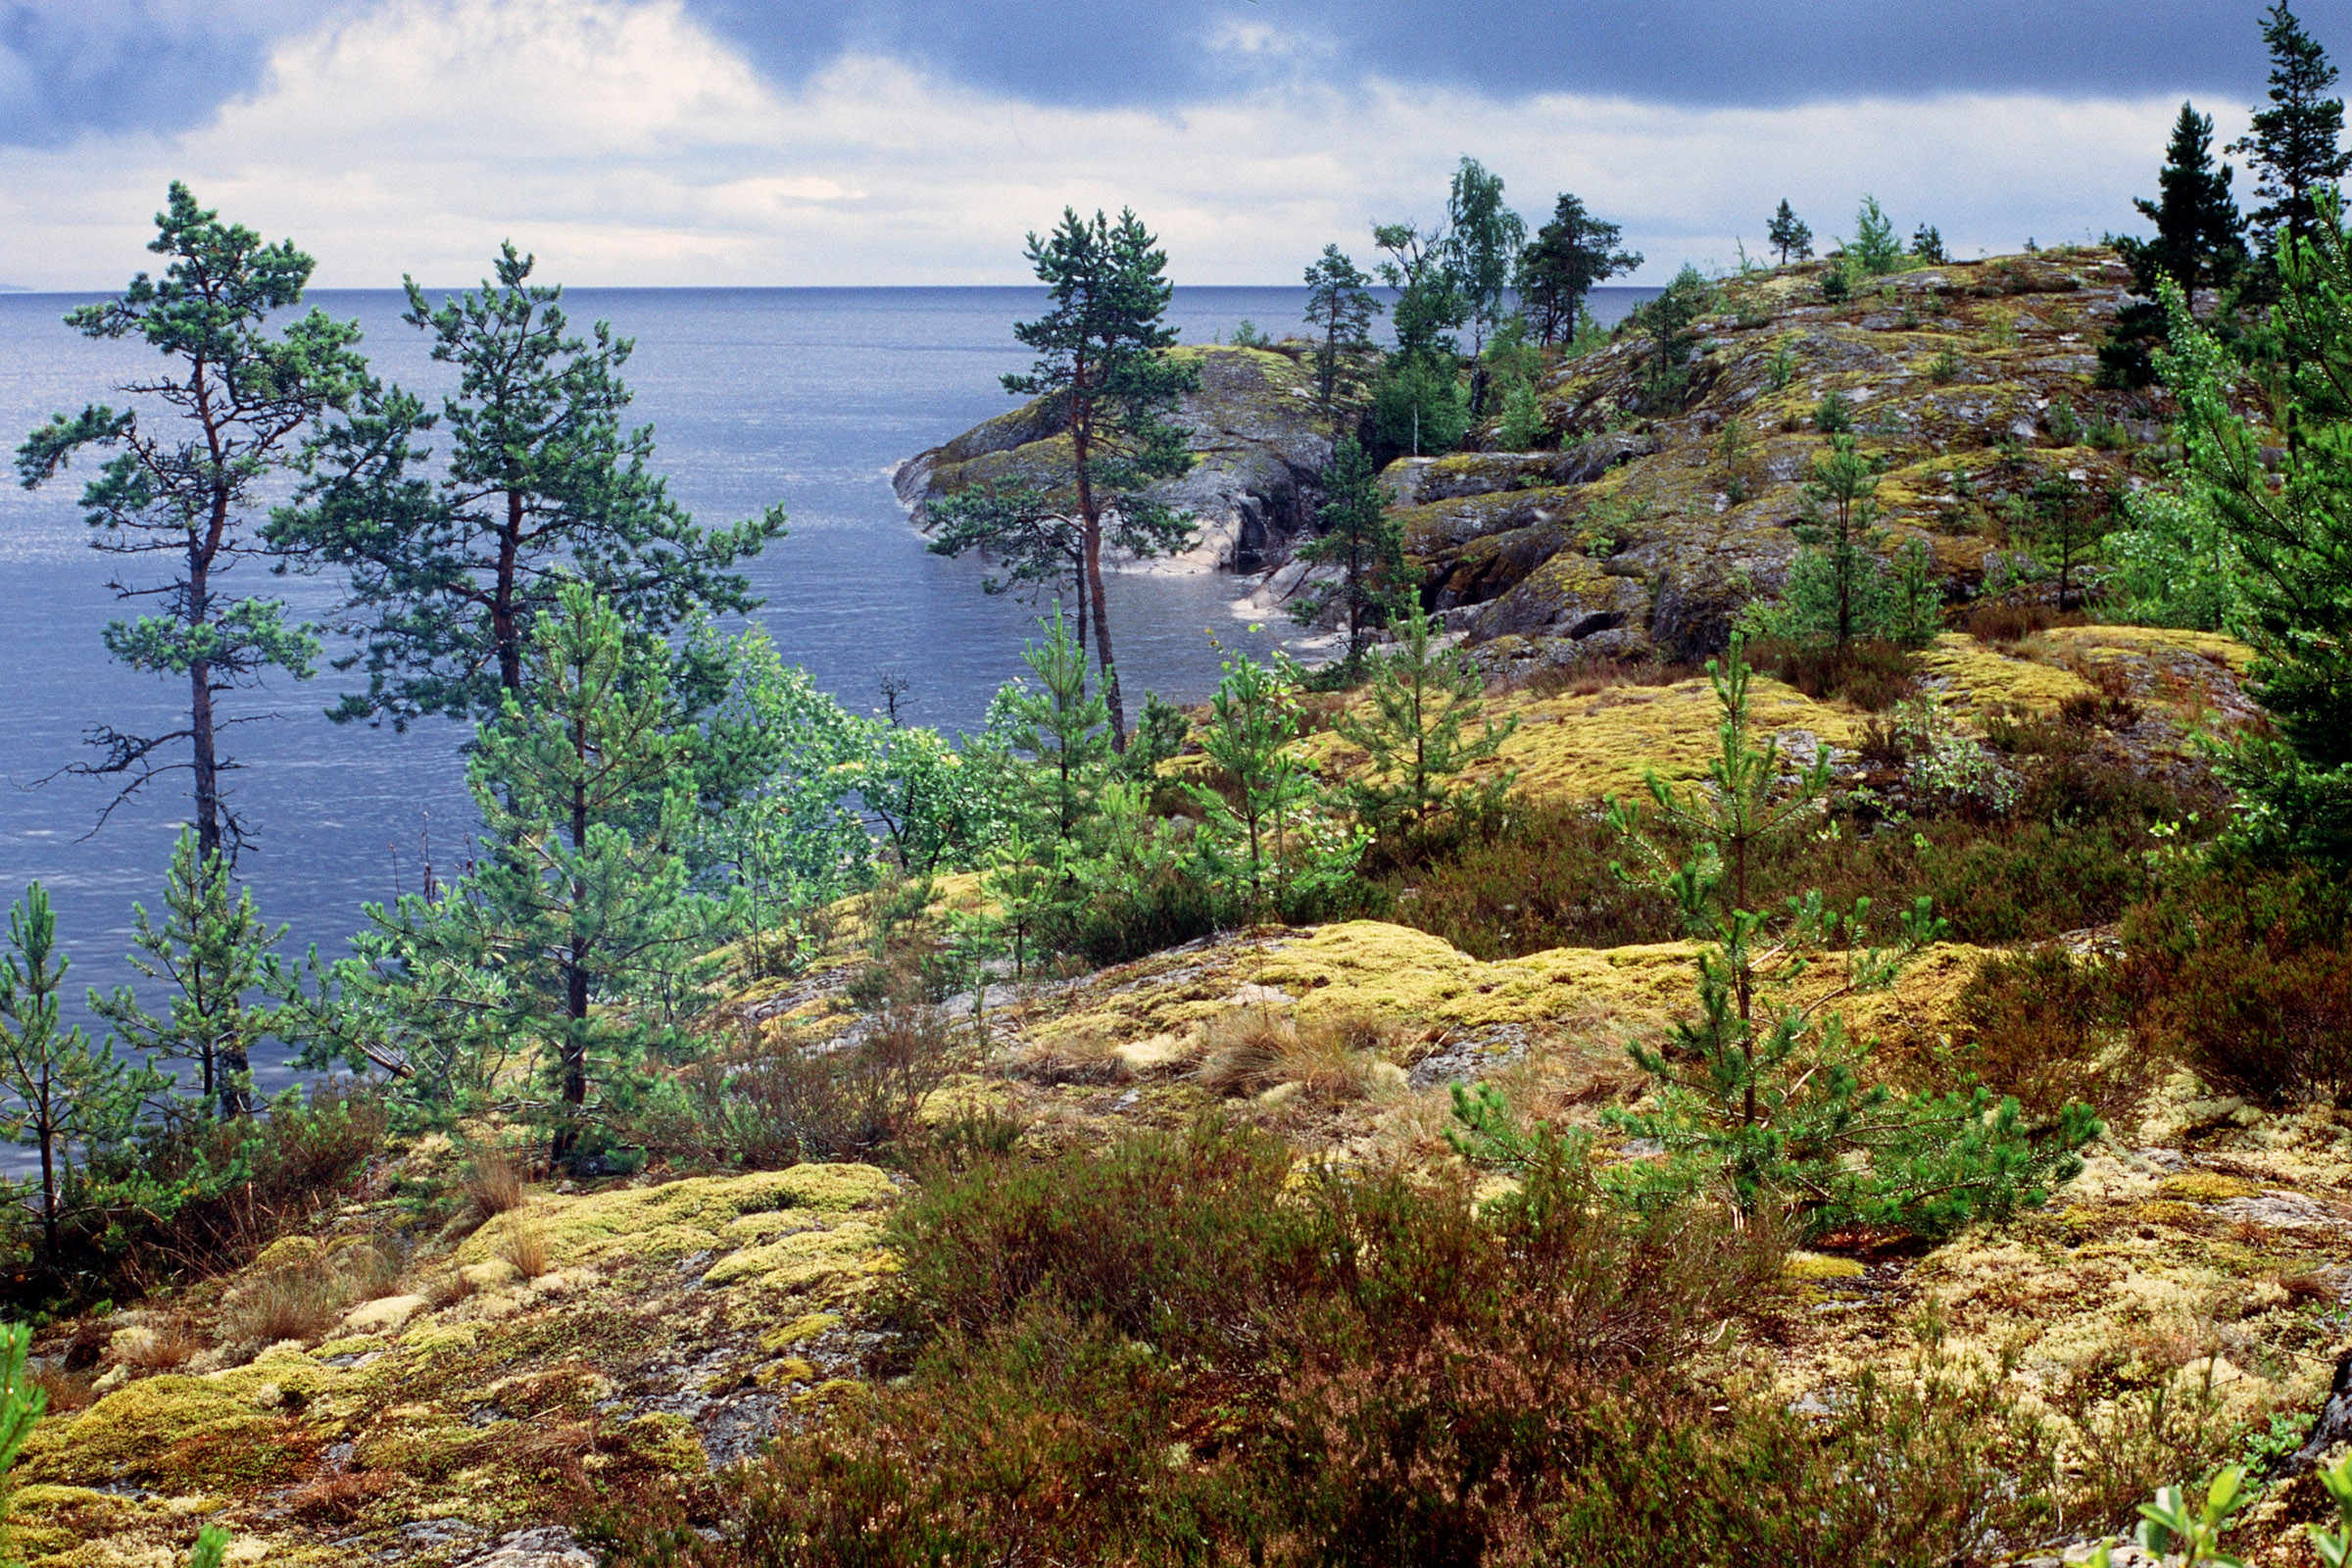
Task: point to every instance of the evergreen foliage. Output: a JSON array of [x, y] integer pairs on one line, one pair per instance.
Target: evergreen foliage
[[1667, 322], [23, 1403], [1062, 728], [573, 952], [1422, 695], [448, 564], [2293, 532], [1363, 542], [1927, 245], [64, 1098], [228, 990], [1762, 1093], [1789, 234], [1339, 306], [1271, 836], [2293, 146], [1874, 250], [2199, 244], [1840, 589], [2064, 524], [1101, 359], [1568, 257], [180, 494]]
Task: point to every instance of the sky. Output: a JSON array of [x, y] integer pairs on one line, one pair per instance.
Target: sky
[[731, 142]]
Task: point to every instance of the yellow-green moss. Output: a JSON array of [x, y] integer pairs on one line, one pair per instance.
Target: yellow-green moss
[[1981, 680], [2206, 1186], [173, 1431], [850, 1248], [799, 1332], [680, 1218], [1816, 1267], [2166, 1212]]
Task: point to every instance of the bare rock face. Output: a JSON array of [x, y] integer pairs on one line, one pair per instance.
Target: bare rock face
[[1653, 525], [1254, 486]]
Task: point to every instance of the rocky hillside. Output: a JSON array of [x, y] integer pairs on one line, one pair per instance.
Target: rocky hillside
[[1261, 453], [1648, 530]]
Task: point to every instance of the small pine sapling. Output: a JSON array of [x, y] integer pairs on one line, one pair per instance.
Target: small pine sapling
[[1422, 695], [1269, 833], [1762, 1091], [65, 1100]]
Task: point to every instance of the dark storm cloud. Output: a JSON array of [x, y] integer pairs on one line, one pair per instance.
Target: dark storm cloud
[[72, 65], [1711, 52], [67, 67]]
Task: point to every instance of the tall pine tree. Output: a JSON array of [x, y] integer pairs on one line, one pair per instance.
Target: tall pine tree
[[1339, 308], [180, 494], [1789, 234], [1101, 353], [2198, 244], [2293, 147], [1569, 256], [448, 567]]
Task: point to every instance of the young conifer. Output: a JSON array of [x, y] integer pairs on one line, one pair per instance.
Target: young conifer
[[1363, 542], [1422, 695], [1789, 234]]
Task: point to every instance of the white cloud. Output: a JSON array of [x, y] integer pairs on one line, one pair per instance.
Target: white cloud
[[625, 145]]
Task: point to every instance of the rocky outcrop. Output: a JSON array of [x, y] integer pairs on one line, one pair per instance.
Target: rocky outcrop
[[1649, 529], [1255, 484]]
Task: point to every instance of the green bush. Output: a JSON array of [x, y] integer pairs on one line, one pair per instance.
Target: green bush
[[1419, 405]]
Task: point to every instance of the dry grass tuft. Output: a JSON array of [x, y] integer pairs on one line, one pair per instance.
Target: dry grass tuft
[[67, 1391], [168, 1345], [298, 1302], [339, 1497], [1253, 1049], [494, 1182], [524, 1243], [1068, 1058]]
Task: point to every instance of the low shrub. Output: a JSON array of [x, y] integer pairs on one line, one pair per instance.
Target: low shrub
[[2047, 1028], [776, 1100], [1872, 675], [2248, 975], [1173, 1352]]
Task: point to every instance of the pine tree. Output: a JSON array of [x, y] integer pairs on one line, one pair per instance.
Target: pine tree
[[1267, 832], [1763, 1094], [1788, 234], [1062, 729], [2065, 523], [64, 1098], [2293, 146], [1339, 306], [1101, 355], [1363, 542], [2283, 538], [2198, 244], [184, 502], [228, 990], [1836, 594], [448, 566], [1569, 256], [575, 951], [23, 1403], [593, 919], [1421, 698]]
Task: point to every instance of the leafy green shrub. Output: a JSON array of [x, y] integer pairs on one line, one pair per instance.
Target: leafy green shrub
[[1419, 405]]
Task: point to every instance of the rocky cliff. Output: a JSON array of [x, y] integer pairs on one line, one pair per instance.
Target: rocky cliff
[[1651, 526], [1259, 453]]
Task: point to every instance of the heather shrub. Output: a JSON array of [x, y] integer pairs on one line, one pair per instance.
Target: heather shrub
[[2248, 975], [2046, 1028]]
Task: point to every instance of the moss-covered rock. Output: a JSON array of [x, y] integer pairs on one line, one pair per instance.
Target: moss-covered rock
[[1259, 450]]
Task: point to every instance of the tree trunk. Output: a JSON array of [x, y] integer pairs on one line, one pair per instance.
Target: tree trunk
[[503, 630], [1091, 516]]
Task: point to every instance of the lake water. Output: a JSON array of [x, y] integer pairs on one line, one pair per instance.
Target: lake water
[[804, 396]]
